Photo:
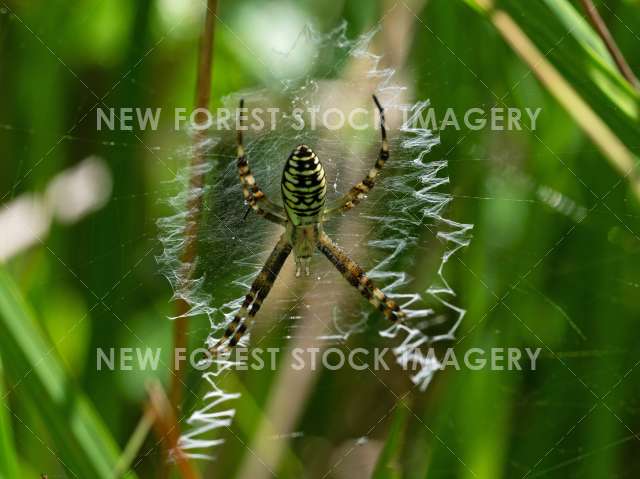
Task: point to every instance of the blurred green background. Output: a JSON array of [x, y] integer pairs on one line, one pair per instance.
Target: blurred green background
[[554, 262]]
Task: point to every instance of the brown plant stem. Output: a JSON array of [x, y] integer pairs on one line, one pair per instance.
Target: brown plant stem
[[167, 429], [194, 204], [601, 27]]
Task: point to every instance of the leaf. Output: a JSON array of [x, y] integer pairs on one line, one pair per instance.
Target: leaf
[[75, 433], [9, 463], [388, 466], [568, 58]]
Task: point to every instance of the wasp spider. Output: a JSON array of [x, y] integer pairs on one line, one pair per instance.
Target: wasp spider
[[304, 189]]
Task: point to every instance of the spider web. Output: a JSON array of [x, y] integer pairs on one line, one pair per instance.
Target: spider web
[[399, 231]]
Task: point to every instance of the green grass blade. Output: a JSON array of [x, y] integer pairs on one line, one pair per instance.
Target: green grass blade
[[576, 72], [75, 434], [9, 462], [388, 465]]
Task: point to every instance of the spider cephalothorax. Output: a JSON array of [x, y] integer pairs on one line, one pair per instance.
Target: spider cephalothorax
[[304, 189]]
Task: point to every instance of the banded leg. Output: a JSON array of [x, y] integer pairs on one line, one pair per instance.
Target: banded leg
[[252, 193], [256, 295], [358, 192], [356, 276]]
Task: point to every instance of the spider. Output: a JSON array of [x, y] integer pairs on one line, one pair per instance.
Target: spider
[[304, 189]]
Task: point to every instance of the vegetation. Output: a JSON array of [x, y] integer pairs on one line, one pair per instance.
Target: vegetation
[[553, 263]]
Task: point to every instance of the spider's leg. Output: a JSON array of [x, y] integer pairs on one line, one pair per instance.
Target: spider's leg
[[359, 191], [256, 295], [356, 276], [252, 193]]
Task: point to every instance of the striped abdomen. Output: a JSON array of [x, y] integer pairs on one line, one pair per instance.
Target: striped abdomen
[[304, 186]]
